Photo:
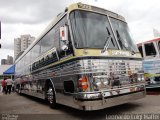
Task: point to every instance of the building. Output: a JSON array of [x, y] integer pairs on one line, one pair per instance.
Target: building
[[22, 43], [17, 46], [3, 61], [8, 61]]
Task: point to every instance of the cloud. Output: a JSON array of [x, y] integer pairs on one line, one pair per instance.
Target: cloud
[[11, 31], [4, 51], [29, 11]]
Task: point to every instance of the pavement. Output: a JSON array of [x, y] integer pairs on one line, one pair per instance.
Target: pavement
[[1, 93], [29, 108]]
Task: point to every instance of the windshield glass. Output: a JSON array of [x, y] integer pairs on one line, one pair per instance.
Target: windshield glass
[[123, 36], [91, 30], [150, 49]]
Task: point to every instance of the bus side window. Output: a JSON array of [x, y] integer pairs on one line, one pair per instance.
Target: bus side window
[[140, 50], [150, 49], [159, 45]]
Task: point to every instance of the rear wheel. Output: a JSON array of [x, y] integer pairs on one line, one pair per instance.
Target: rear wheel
[[51, 97]]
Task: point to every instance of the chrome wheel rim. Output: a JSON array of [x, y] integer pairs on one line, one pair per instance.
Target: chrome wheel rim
[[50, 95]]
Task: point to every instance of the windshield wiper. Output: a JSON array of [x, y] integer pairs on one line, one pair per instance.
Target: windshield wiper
[[122, 44], [107, 42], [106, 45]]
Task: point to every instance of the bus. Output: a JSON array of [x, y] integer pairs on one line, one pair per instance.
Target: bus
[[85, 59], [150, 51]]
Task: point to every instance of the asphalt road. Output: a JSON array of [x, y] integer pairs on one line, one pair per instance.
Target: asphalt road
[[23, 107]]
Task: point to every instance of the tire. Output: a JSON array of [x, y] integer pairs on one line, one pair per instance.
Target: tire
[[19, 90], [51, 97]]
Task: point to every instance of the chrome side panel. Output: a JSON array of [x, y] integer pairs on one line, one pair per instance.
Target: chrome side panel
[[71, 71]]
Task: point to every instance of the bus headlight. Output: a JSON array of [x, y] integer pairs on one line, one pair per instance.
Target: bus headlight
[[101, 81], [98, 84], [143, 78], [139, 79], [106, 82]]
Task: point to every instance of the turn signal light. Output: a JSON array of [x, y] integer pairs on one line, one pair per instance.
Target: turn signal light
[[82, 83]]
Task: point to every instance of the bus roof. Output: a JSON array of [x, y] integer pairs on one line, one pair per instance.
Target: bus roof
[[79, 6], [156, 39]]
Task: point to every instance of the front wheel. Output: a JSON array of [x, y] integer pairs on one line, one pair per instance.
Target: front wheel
[[51, 97], [18, 89]]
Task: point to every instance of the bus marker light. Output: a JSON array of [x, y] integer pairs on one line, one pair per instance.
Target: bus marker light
[[82, 83]]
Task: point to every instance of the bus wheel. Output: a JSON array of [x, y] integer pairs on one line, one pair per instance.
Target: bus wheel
[[51, 97], [19, 91]]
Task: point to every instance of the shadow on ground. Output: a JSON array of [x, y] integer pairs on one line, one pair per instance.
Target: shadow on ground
[[153, 91], [98, 114]]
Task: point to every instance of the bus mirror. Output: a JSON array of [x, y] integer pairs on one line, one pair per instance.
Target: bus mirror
[[64, 33], [64, 48]]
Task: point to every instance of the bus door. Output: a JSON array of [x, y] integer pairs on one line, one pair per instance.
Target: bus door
[[65, 51]]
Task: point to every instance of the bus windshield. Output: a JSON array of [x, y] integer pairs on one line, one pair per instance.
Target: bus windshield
[[91, 30], [123, 36]]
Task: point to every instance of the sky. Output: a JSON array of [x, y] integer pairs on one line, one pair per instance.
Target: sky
[[20, 17]]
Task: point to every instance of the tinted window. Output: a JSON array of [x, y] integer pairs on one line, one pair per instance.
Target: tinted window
[[91, 30], [159, 45], [140, 50], [52, 38], [28, 57], [57, 38], [47, 41], [35, 51], [57, 31], [150, 49], [123, 35]]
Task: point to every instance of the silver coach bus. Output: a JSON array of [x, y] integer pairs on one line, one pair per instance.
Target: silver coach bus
[[84, 59]]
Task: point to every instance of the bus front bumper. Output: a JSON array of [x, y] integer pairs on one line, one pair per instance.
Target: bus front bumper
[[153, 86], [110, 98]]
